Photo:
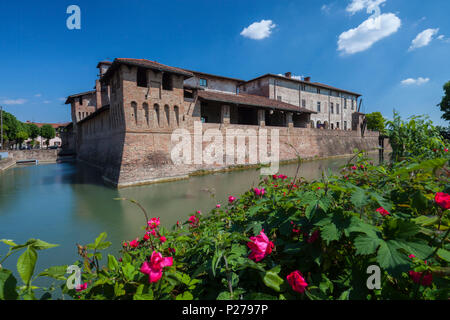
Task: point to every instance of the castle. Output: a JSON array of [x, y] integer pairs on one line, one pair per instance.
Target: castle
[[124, 126]]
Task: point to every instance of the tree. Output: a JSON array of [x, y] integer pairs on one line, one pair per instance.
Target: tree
[[47, 132], [445, 103], [33, 130], [375, 122]]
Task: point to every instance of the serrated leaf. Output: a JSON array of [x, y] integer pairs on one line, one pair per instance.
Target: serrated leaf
[[390, 259], [366, 245], [359, 198], [55, 272], [26, 264], [112, 263]]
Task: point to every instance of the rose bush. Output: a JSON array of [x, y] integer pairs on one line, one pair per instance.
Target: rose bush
[[296, 240]]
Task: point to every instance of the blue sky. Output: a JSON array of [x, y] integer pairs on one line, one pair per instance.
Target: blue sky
[[394, 52]]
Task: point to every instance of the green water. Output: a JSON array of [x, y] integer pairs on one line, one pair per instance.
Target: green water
[[67, 203]]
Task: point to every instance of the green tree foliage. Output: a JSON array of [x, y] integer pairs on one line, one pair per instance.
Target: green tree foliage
[[414, 138], [33, 130], [13, 129], [375, 122], [47, 132], [445, 103]]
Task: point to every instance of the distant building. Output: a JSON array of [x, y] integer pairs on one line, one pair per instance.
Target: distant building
[[56, 141]]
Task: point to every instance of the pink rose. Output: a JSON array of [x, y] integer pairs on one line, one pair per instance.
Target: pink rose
[[162, 239], [313, 237], [154, 267], [153, 223], [443, 200], [193, 220], [411, 256], [146, 237], [426, 279], [354, 168], [134, 243], [218, 206], [260, 246], [231, 199], [382, 211], [297, 282], [81, 287]]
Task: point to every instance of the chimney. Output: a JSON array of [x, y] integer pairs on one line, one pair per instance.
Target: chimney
[[307, 79], [288, 74]]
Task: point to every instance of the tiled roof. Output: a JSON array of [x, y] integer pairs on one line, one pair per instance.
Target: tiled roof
[[250, 100], [198, 73], [318, 84], [69, 98], [144, 63]]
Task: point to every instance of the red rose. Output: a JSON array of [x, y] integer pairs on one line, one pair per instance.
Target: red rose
[[297, 282], [443, 200], [382, 211], [427, 279]]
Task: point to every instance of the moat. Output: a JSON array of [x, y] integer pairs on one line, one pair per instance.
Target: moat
[[67, 203]]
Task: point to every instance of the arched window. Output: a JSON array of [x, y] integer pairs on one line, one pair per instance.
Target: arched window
[[134, 111], [312, 124], [177, 115], [146, 113], [318, 124], [156, 108], [167, 112]]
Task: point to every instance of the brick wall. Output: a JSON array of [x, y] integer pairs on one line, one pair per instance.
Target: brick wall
[[44, 155]]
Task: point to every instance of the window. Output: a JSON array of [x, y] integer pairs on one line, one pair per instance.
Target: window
[[345, 125], [167, 81], [353, 104], [318, 106], [203, 82], [303, 103], [318, 90], [80, 101], [279, 98], [345, 103], [332, 126], [141, 77], [337, 125], [331, 107], [337, 109]]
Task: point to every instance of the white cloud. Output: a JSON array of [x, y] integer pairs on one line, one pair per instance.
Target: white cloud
[[38, 95], [14, 101], [419, 81], [371, 6], [367, 33], [258, 30], [62, 99], [423, 39], [443, 38], [47, 101], [326, 8]]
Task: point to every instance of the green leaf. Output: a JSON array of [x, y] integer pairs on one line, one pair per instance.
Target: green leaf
[[56, 272], [359, 198], [8, 285], [26, 264], [145, 296], [42, 245], [129, 271], [272, 279], [444, 254], [112, 263], [366, 245], [185, 296], [8, 242], [390, 259]]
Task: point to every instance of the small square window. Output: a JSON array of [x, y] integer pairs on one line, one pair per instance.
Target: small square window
[[203, 82]]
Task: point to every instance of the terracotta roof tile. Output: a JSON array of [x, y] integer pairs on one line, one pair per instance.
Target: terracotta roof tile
[[250, 100]]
